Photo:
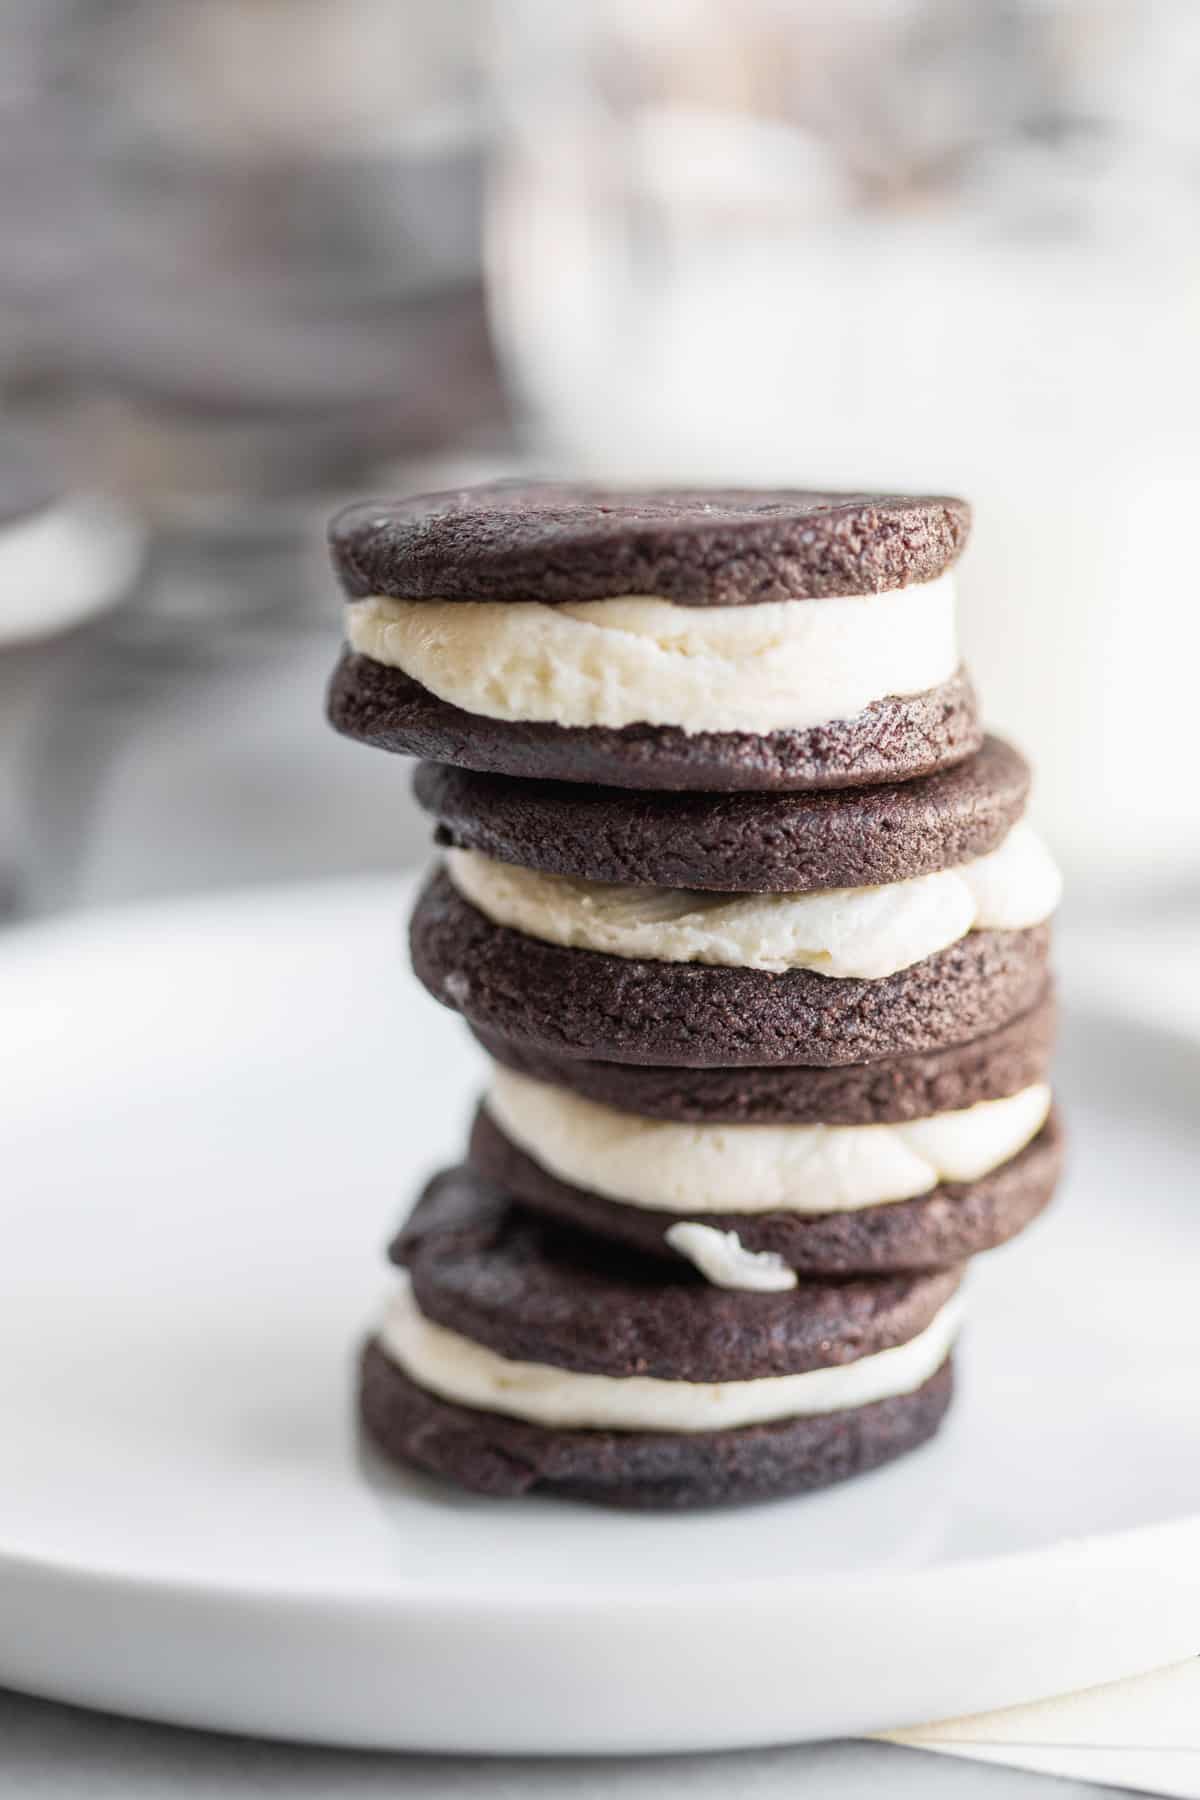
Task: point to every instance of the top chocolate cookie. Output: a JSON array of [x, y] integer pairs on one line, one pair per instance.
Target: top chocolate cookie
[[558, 542]]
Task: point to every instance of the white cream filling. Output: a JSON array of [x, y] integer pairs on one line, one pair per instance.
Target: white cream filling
[[782, 665], [723, 1259], [665, 1166], [458, 1369], [866, 932]]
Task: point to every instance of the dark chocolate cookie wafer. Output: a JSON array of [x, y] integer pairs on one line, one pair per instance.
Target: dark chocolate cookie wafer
[[890, 1091], [667, 1471], [936, 1230], [535, 1293], [892, 740], [621, 1009], [738, 843], [560, 541]]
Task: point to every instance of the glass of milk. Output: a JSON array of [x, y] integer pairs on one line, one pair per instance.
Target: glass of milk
[[924, 245]]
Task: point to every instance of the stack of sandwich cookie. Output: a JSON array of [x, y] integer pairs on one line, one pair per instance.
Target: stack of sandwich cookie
[[743, 907]]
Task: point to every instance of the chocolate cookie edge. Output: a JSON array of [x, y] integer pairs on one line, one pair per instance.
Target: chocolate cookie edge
[[736, 843], [556, 542], [893, 1090]]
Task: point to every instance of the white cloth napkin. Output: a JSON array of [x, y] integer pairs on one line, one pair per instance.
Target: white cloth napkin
[[1143, 1734]]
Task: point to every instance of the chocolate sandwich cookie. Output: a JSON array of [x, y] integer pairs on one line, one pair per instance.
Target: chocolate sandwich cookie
[[939, 1229], [892, 1090], [582, 1003], [707, 640], [518, 1355], [759, 843]]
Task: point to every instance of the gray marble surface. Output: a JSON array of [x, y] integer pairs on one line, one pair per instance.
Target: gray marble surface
[[51, 1752]]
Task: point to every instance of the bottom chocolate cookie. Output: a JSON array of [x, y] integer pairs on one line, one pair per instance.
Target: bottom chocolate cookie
[[490, 1453]]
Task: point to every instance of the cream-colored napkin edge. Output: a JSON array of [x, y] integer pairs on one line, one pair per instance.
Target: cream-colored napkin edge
[[1141, 1733]]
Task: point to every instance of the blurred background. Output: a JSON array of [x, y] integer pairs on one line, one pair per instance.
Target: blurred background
[[258, 256]]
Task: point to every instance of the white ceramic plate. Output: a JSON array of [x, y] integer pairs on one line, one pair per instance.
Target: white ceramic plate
[[210, 1117]]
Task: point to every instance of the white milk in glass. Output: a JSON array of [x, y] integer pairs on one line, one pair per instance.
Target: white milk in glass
[[699, 284]]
